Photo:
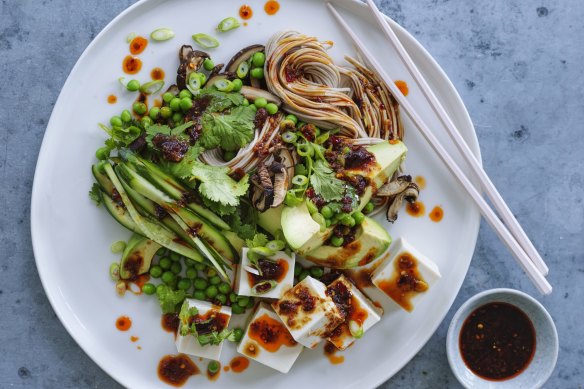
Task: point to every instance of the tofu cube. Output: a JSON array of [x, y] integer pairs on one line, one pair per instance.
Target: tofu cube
[[268, 341], [405, 275], [279, 268], [189, 344], [308, 313], [359, 312]]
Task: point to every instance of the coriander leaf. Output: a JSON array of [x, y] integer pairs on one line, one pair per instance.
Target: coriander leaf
[[178, 130], [325, 183], [186, 312], [229, 131], [183, 168], [216, 185], [218, 208], [95, 194], [259, 240], [155, 129], [242, 228], [214, 338], [169, 298], [220, 101]]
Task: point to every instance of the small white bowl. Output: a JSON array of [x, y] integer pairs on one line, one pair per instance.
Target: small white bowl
[[546, 342]]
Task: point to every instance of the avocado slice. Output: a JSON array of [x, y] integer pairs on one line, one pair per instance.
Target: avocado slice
[[137, 256], [371, 241], [302, 233], [271, 220]]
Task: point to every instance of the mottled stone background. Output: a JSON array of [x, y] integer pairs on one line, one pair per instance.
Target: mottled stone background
[[518, 65]]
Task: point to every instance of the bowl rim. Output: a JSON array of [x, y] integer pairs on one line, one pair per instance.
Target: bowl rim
[[471, 304]]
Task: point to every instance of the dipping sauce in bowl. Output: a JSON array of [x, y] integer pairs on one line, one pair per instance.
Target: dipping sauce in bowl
[[497, 341]]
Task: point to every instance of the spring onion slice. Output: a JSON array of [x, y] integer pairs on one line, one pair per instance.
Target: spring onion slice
[[130, 37], [356, 329], [224, 85], [264, 286], [152, 87], [205, 41], [262, 251], [194, 83], [118, 247], [242, 69], [276, 245], [289, 137], [228, 24], [300, 180], [162, 34]]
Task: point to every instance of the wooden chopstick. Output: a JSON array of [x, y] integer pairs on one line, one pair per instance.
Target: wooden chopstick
[[520, 255], [486, 183]]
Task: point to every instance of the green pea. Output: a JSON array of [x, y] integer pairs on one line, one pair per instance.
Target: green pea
[[316, 271], [292, 118], [161, 251], [257, 73], [168, 277], [224, 288], [237, 334], [174, 256], [155, 271], [237, 309], [133, 85], [102, 153], [271, 108], [253, 107], [237, 85], [242, 301], [149, 289], [177, 117], [359, 217], [303, 275], [167, 97], [232, 297], [245, 102], [297, 269], [215, 280], [139, 108], [368, 208], [186, 103], [258, 59], [221, 298], [165, 112], [146, 121], [347, 220], [185, 93], [208, 64], [327, 212], [211, 291], [200, 284], [184, 284], [126, 116], [116, 121], [176, 268], [211, 272], [165, 263], [337, 241], [199, 295], [174, 104], [200, 266], [327, 222], [260, 102], [213, 367], [154, 112], [229, 155], [250, 303], [159, 287], [191, 273]]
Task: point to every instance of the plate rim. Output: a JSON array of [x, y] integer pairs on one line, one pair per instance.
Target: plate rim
[[351, 6]]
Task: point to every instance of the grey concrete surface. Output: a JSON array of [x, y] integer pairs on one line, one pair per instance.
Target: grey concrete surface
[[519, 67]]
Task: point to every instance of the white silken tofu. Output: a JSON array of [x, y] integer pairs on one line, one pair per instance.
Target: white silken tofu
[[308, 313], [399, 276], [189, 344], [268, 341], [244, 281], [356, 308]]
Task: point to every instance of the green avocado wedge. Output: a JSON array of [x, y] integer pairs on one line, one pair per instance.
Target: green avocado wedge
[[137, 257], [371, 241]]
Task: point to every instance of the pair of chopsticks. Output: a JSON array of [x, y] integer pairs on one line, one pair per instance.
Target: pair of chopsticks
[[509, 230]]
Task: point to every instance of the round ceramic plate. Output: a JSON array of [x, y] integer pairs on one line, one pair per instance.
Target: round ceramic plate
[[72, 237]]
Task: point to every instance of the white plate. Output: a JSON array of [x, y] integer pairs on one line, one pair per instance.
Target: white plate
[[71, 237]]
